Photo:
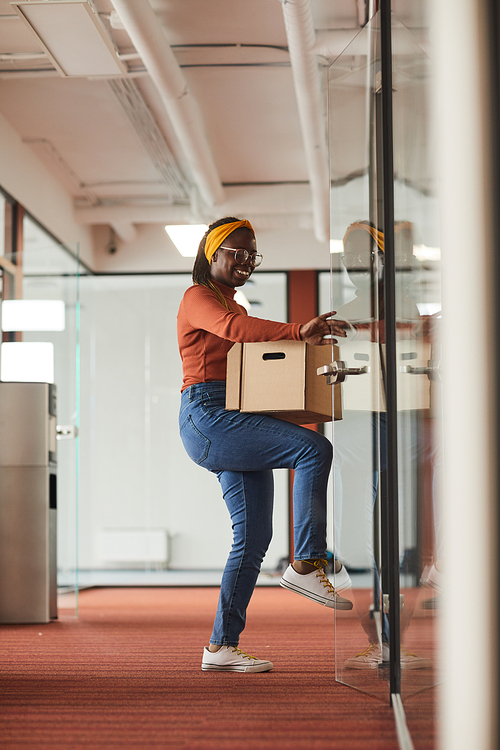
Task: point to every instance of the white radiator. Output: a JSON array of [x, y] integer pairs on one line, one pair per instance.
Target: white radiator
[[133, 547]]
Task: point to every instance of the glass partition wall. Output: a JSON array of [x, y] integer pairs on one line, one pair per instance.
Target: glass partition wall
[[140, 512], [385, 285], [40, 344]]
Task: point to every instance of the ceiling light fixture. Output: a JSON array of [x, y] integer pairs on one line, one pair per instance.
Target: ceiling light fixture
[[27, 362], [423, 253], [73, 36], [186, 237], [33, 315], [336, 246]]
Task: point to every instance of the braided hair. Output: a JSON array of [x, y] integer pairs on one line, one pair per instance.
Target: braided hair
[[201, 267]]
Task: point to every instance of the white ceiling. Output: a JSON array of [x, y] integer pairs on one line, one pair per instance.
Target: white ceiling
[[234, 57]]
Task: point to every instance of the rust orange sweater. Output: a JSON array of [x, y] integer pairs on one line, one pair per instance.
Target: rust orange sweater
[[206, 331]]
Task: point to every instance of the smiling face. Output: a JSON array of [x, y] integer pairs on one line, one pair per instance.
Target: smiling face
[[224, 268]]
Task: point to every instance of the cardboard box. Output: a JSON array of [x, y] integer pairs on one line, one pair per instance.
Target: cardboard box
[[279, 378]]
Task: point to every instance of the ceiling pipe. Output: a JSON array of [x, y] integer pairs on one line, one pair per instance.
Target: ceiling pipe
[[301, 38], [288, 201], [148, 38]]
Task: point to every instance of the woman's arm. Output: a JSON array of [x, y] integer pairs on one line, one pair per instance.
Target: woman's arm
[[203, 311]]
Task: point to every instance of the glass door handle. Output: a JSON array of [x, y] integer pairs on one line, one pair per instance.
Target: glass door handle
[[433, 370], [337, 372]]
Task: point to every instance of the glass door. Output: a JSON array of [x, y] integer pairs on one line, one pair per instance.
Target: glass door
[[418, 318], [385, 287], [40, 344]]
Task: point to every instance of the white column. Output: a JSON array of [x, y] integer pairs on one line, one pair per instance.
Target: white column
[[468, 639]]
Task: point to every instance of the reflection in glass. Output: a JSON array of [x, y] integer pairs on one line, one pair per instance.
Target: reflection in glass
[[419, 424], [357, 293]]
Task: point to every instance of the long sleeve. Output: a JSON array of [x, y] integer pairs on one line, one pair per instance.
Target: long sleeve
[[206, 331], [202, 310]]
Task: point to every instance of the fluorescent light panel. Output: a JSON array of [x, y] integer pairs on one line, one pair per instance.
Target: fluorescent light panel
[[73, 36], [27, 362], [336, 246], [33, 315], [422, 252], [429, 308], [186, 237]]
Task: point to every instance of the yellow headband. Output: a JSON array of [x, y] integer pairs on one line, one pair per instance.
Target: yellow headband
[[216, 237], [377, 235]]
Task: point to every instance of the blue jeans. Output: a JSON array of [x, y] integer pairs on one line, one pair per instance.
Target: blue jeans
[[242, 450]]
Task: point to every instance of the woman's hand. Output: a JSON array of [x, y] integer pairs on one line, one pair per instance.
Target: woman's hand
[[315, 331]]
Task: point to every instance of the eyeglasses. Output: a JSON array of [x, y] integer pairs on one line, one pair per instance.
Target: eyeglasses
[[243, 256], [361, 260]]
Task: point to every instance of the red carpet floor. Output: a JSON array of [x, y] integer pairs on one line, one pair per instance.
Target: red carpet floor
[[127, 674]]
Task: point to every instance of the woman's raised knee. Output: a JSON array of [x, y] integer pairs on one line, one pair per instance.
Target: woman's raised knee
[[323, 446]]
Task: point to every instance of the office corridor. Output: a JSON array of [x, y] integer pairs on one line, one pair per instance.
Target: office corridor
[[127, 674]]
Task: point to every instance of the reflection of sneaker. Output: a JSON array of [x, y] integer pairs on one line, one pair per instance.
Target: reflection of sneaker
[[413, 661], [315, 586], [341, 579], [432, 577], [233, 659], [373, 655], [434, 603], [370, 658]]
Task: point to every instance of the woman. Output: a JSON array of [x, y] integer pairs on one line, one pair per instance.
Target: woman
[[243, 449]]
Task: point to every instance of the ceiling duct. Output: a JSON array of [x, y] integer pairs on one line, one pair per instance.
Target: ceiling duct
[[148, 38], [130, 99], [286, 201], [301, 37]]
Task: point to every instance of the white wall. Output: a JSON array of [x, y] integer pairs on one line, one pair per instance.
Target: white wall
[[135, 473]]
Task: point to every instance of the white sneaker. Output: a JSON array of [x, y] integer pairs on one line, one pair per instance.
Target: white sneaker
[[315, 586], [341, 580], [233, 659]]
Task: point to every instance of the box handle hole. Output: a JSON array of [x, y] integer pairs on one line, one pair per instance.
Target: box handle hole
[[274, 355]]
